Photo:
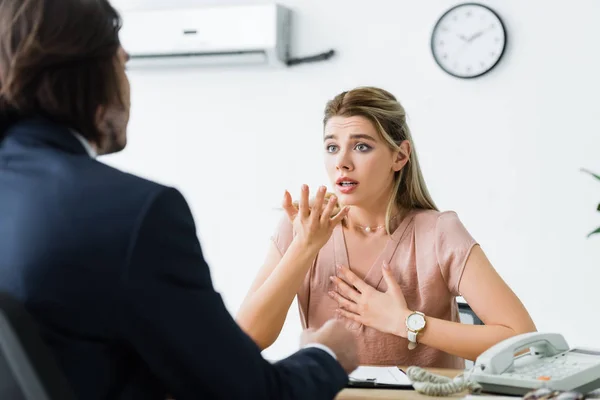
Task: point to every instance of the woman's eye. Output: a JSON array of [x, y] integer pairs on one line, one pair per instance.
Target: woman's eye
[[331, 148], [362, 147]]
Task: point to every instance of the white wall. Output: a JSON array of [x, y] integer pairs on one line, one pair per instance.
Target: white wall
[[504, 150]]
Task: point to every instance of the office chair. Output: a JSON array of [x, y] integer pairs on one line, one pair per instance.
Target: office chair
[[468, 316], [28, 370]]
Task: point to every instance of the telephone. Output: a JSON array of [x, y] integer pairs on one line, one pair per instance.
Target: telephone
[[504, 368]]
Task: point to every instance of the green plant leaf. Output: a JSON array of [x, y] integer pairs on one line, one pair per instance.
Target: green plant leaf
[[596, 231], [591, 173]]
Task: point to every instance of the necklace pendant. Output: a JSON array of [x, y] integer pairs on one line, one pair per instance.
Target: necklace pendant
[[368, 229]]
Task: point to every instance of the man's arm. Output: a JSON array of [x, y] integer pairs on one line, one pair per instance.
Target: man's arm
[[180, 327]]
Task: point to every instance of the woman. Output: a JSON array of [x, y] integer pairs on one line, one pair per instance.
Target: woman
[[388, 260]]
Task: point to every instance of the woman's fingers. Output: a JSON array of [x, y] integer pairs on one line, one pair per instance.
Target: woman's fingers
[[317, 207], [304, 208], [343, 302], [288, 206], [351, 279], [326, 216], [345, 290], [340, 216]]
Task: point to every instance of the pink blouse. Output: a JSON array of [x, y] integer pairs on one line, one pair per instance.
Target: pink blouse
[[427, 254]]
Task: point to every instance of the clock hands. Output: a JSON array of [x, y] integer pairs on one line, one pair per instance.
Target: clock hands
[[475, 36], [480, 33], [467, 41]]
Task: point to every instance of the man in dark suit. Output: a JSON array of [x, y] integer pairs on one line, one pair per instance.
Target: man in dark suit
[[108, 263]]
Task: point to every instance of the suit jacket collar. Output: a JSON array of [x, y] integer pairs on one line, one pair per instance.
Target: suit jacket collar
[[88, 147], [41, 132]]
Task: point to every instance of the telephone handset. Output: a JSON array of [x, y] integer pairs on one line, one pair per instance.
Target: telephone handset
[[505, 368], [500, 357]]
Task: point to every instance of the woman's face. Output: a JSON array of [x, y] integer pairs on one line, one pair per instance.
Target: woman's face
[[359, 163]]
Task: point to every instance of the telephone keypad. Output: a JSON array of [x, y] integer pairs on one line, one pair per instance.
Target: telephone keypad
[[550, 369]]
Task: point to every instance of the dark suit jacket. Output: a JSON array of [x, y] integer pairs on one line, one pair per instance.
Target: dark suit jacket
[[110, 266]]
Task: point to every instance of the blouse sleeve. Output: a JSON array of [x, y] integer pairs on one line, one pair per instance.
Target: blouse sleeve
[[453, 245], [283, 234]]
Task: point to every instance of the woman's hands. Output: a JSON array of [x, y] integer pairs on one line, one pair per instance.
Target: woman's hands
[[360, 302], [313, 223]]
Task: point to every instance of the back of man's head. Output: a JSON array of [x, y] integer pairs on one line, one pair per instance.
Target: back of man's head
[[57, 61]]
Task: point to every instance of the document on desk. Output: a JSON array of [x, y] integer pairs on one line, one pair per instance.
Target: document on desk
[[368, 376]]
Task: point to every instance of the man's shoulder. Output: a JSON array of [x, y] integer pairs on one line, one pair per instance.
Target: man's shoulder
[[130, 194], [107, 177]]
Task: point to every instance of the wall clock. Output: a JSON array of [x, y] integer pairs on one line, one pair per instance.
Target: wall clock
[[468, 40]]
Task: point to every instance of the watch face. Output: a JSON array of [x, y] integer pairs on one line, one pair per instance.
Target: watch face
[[468, 40], [415, 322]]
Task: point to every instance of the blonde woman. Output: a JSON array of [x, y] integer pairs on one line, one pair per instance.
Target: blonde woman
[[386, 256]]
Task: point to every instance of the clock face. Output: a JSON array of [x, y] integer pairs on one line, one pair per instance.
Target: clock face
[[468, 40], [416, 322]]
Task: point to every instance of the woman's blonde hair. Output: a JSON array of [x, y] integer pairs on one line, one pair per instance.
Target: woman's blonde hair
[[389, 119]]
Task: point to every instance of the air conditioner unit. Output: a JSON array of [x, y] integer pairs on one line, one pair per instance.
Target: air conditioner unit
[[248, 34]]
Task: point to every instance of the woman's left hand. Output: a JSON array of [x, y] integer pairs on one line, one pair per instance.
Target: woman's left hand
[[360, 302]]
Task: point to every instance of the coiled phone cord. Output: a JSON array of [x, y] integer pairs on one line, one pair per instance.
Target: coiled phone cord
[[431, 384]]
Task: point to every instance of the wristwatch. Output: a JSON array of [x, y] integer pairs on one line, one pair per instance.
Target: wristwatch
[[415, 323]]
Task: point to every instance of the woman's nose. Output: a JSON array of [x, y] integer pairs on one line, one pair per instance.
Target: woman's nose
[[343, 162]]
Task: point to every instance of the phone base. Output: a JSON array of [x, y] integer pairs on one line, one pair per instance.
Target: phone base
[[520, 391]]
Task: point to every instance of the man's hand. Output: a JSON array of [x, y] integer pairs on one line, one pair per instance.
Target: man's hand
[[340, 340]]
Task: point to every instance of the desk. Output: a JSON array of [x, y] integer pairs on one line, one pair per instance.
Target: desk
[[385, 394]]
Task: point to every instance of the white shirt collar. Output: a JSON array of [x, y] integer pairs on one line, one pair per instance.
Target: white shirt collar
[[90, 150]]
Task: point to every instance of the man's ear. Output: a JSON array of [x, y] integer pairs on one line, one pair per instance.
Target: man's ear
[[100, 112], [402, 155], [100, 125]]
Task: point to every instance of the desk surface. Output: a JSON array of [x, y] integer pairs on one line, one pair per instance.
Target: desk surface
[[384, 394]]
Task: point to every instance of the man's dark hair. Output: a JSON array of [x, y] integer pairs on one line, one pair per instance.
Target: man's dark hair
[[58, 61]]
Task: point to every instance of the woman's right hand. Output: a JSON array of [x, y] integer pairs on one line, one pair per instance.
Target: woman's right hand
[[313, 223]]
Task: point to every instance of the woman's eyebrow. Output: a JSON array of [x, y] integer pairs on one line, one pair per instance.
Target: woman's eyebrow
[[353, 136]]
